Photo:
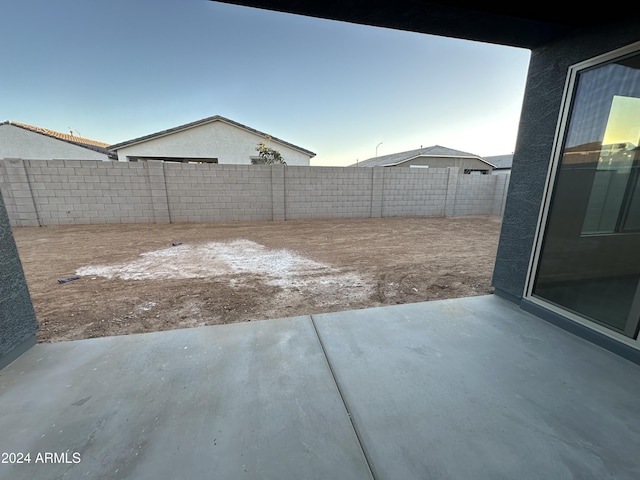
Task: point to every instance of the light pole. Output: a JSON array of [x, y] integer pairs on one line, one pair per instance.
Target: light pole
[[377, 148]]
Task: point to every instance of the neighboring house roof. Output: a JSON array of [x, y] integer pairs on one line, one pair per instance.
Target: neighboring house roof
[[502, 162], [94, 145], [215, 118], [433, 151]]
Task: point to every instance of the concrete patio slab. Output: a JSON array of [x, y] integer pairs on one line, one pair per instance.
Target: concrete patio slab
[[253, 400], [476, 388], [469, 388]]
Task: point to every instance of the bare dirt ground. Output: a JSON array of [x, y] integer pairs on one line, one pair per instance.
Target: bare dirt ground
[[134, 279]]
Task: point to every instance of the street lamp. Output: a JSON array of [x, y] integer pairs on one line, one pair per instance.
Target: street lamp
[[377, 148]]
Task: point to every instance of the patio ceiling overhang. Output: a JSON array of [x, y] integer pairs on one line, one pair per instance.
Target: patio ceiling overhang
[[525, 25]]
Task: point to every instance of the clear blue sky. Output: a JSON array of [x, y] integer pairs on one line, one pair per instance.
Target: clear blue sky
[[118, 69]]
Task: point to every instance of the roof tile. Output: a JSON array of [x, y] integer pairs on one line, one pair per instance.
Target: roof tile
[[60, 136]]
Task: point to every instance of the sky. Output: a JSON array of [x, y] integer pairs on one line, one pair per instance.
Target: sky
[[120, 69]]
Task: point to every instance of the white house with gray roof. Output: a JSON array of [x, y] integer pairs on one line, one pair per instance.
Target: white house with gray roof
[[210, 140], [435, 156]]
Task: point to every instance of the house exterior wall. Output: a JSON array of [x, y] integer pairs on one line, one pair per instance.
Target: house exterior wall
[[445, 162], [16, 142], [228, 143], [548, 69], [17, 318]]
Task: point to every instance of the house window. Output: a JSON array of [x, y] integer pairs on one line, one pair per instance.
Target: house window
[[192, 160], [199, 161], [588, 257]]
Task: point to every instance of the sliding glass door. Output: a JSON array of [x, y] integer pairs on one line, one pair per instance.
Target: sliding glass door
[[588, 261]]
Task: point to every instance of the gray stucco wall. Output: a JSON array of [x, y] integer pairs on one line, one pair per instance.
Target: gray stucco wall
[[542, 102], [17, 319]]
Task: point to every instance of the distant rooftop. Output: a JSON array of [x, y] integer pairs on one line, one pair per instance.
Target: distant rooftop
[[501, 162], [398, 158], [65, 137]]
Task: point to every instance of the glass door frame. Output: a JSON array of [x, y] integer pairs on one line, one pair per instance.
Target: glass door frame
[[552, 174]]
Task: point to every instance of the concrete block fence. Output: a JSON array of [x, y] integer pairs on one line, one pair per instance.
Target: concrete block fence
[[60, 192]]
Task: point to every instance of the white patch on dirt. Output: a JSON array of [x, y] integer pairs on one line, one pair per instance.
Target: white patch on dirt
[[145, 307], [281, 268]]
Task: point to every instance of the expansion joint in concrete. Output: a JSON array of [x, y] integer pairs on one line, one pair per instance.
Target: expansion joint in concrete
[[366, 456]]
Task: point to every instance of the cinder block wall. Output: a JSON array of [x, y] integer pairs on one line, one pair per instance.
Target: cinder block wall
[[474, 198], [59, 192], [46, 192], [327, 192], [16, 191], [213, 193], [415, 191]]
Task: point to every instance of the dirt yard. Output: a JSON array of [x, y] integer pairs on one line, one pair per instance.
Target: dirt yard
[[143, 278]]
